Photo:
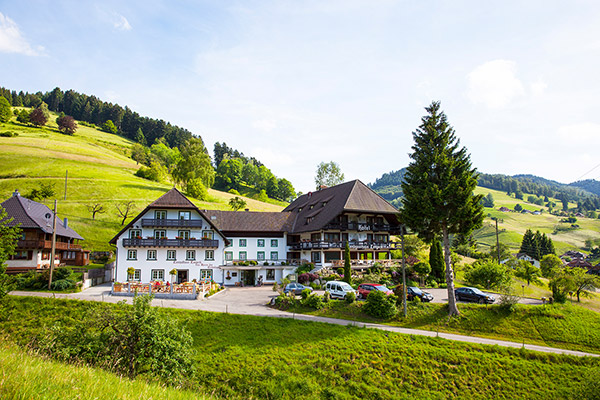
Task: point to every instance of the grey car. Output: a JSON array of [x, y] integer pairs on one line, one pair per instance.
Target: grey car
[[295, 288]]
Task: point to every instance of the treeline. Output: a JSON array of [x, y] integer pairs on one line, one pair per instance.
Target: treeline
[[236, 171], [394, 178], [92, 110], [591, 185], [529, 184]]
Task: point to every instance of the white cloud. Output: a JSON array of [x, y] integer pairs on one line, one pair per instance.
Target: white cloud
[[120, 23], [265, 125], [584, 133], [494, 84], [11, 40], [538, 87]]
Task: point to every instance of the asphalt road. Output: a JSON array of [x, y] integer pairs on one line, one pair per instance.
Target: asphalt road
[[253, 300]]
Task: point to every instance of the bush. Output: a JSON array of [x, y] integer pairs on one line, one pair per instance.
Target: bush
[[305, 268], [8, 134], [284, 301], [307, 277], [379, 305], [63, 284], [305, 293], [196, 189], [314, 301], [487, 274], [350, 298]]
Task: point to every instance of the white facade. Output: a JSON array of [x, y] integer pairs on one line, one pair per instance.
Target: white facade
[[154, 249]]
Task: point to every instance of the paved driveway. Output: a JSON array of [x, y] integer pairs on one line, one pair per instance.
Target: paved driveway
[[441, 296]]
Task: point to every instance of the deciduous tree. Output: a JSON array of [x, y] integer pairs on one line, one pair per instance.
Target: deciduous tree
[[194, 164], [438, 188], [5, 113], [39, 116], [529, 272], [328, 174], [66, 124], [237, 203], [109, 127], [96, 208], [124, 210]]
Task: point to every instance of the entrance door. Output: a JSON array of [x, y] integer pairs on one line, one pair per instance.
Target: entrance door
[[182, 276], [249, 277]]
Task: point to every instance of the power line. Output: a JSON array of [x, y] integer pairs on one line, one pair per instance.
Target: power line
[[588, 173]]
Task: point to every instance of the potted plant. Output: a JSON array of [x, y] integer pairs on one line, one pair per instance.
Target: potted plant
[[130, 273], [173, 273]]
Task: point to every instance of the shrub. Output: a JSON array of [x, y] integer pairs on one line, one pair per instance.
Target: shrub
[[350, 298], [305, 268], [8, 134], [326, 297], [195, 188], [307, 277], [488, 274], [63, 284], [62, 273], [284, 301], [314, 301], [305, 293], [379, 305]]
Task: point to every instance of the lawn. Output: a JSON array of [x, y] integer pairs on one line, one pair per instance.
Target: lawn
[[99, 170], [247, 357]]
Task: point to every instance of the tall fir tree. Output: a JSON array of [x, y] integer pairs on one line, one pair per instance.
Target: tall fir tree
[[436, 260], [347, 269], [438, 188], [528, 244]]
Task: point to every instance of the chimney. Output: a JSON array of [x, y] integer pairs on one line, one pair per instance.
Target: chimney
[[16, 193], [66, 223], [247, 209]]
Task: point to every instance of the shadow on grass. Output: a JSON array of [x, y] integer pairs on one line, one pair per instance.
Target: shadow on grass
[[145, 187]]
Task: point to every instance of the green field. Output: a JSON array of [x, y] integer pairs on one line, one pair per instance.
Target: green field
[[513, 225], [249, 357], [99, 170]]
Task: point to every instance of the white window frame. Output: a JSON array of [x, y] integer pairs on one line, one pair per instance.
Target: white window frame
[[243, 255], [132, 254], [274, 243], [157, 274], [260, 256], [243, 243], [149, 254], [209, 255], [184, 234], [134, 233], [260, 242], [171, 255], [160, 214], [184, 214], [208, 235], [270, 274], [160, 234], [137, 275], [229, 256], [190, 255], [206, 274], [276, 258]]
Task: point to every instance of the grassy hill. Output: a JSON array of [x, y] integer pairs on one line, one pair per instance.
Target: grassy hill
[[513, 225], [99, 170]]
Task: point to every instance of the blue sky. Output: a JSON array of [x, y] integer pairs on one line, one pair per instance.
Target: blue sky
[[294, 83]]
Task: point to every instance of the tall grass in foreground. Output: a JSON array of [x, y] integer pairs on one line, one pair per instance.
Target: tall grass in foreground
[[23, 376]]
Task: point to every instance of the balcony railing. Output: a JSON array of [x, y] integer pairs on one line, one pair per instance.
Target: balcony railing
[[46, 244], [362, 227], [173, 223], [353, 244], [170, 243]]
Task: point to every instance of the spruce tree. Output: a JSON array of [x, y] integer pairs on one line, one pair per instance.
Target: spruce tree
[[438, 188], [436, 260], [347, 269], [528, 244]]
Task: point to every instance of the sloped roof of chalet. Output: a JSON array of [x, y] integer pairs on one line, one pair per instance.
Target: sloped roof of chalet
[[324, 205], [172, 199], [31, 214], [251, 221]]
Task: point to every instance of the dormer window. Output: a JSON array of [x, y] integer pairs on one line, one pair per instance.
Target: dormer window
[[312, 206], [299, 209], [324, 203]]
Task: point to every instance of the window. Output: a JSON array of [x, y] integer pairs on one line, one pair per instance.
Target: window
[[260, 256], [208, 235], [242, 242], [274, 243], [136, 276], [158, 274], [135, 233], [209, 255], [315, 257], [206, 274], [171, 254], [22, 255], [274, 256], [260, 242], [243, 256], [23, 236], [185, 215], [151, 255], [332, 237], [160, 214], [270, 274], [315, 237], [229, 256], [183, 235], [160, 234], [132, 254], [190, 255]]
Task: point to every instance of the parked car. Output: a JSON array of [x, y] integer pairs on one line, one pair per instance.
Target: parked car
[[472, 294], [413, 292], [364, 289], [339, 289], [295, 288]]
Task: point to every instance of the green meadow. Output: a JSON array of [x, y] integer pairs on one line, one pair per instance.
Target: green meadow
[[99, 171], [247, 357]]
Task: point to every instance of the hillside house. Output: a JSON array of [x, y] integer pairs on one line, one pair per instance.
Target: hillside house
[[33, 249], [504, 209], [243, 247], [528, 258]]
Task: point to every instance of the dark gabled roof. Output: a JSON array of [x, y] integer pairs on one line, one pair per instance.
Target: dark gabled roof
[[172, 199], [315, 210], [251, 221], [33, 215]]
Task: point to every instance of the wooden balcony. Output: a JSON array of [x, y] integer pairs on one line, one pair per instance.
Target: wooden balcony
[[46, 244], [353, 244], [173, 223], [170, 243], [363, 227]]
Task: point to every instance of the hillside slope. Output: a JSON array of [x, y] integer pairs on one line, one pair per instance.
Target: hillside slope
[[99, 171]]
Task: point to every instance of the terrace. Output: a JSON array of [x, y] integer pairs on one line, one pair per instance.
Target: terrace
[[173, 223], [354, 244], [163, 242], [162, 290]]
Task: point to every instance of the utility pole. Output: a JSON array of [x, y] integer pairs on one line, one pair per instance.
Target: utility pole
[[497, 240], [403, 270], [53, 247], [66, 179]]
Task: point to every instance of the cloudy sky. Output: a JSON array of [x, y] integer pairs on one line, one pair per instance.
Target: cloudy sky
[[294, 83]]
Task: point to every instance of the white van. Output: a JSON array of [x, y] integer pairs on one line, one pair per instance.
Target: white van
[[339, 289]]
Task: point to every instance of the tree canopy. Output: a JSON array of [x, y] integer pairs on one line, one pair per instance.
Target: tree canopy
[[328, 174], [438, 188]]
